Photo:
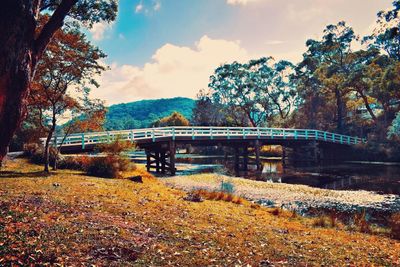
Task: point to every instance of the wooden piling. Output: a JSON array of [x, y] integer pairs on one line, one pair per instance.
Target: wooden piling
[[245, 158], [257, 151], [148, 160], [237, 164], [163, 161], [172, 151]]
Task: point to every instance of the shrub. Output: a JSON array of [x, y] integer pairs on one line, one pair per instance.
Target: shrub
[[31, 148], [108, 167], [394, 224], [112, 165], [276, 211], [36, 155], [117, 147], [79, 163]]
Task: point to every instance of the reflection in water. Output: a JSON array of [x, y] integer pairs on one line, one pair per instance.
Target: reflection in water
[[346, 176], [271, 172]]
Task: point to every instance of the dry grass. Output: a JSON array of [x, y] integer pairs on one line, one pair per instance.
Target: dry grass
[[71, 219], [219, 195], [325, 221], [361, 222]]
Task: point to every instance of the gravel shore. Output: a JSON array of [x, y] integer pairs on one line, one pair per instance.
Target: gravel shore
[[294, 197]]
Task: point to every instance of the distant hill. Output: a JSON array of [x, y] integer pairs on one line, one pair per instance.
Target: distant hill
[[142, 114]]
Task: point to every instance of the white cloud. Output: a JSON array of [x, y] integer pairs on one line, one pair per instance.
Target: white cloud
[[274, 42], [157, 6], [98, 30], [148, 8], [241, 2], [139, 8], [295, 13], [173, 71]]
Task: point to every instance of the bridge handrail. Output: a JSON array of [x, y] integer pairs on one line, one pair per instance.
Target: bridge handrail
[[153, 134]]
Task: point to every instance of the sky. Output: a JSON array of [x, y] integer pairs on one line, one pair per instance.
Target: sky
[[169, 48]]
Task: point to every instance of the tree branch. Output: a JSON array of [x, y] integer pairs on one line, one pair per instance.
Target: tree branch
[[56, 21]]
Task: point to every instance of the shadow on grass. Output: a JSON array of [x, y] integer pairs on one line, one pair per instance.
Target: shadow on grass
[[15, 174]]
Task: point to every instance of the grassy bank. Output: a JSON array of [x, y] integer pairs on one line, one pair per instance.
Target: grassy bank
[[69, 218]]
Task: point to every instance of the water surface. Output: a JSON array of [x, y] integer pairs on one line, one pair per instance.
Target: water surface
[[380, 178]]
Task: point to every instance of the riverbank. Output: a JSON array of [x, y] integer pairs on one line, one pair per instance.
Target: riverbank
[[68, 218], [300, 198]]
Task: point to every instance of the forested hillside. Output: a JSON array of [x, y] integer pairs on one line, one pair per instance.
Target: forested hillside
[[141, 114]]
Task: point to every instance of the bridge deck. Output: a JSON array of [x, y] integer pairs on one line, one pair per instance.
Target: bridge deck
[[155, 135]]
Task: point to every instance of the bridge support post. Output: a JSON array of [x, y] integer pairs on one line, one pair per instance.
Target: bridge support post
[[245, 158], [284, 156], [163, 161], [148, 159], [257, 151], [161, 158], [172, 151], [241, 162], [157, 156], [237, 163]]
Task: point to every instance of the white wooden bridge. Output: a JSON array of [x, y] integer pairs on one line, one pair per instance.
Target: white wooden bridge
[[154, 135], [160, 143]]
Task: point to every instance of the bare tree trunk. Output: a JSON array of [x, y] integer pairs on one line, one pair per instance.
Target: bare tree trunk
[[253, 123], [340, 108], [19, 53], [57, 152], [47, 151], [312, 123], [17, 27], [367, 106], [48, 140]]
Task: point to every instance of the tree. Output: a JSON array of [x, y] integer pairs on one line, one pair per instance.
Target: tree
[[259, 89], [90, 117], [273, 87], [232, 87], [22, 44], [208, 113], [386, 34], [330, 58], [175, 119], [310, 113], [61, 78]]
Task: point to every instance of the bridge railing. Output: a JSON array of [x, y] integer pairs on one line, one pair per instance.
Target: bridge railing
[[155, 134]]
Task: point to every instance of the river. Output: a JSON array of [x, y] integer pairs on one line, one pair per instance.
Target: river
[[377, 177]]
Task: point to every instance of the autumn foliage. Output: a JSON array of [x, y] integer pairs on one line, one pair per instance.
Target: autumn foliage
[[114, 163], [175, 119]]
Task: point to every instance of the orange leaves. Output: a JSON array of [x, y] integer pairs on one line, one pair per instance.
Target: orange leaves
[[92, 123], [175, 119], [64, 72]]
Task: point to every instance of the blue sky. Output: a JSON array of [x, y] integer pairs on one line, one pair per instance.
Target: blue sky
[[167, 48]]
